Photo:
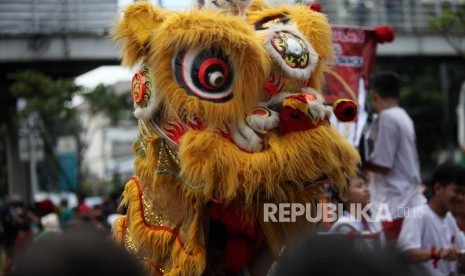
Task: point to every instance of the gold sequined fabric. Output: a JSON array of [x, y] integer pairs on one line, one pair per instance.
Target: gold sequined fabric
[[128, 241]]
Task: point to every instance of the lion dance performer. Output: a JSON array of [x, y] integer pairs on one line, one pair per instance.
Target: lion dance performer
[[230, 117]]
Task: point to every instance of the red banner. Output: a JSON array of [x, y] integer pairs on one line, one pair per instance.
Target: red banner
[[355, 52]]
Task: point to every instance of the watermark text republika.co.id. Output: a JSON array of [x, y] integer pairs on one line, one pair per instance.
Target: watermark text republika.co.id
[[330, 212]]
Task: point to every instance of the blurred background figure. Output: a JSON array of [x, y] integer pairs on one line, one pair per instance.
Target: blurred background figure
[[430, 236], [49, 220], [82, 208], [66, 213], [77, 253], [12, 220], [330, 255], [393, 159]]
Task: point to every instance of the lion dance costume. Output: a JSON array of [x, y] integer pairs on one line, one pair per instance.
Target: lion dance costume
[[230, 117]]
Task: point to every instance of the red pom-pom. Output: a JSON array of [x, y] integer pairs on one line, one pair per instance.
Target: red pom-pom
[[315, 7], [345, 110], [384, 34]]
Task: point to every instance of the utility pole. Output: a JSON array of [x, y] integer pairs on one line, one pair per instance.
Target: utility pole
[[32, 141]]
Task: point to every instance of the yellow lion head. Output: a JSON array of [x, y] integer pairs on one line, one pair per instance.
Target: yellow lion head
[[229, 111]]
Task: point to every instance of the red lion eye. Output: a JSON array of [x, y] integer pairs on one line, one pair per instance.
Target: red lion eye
[[205, 73], [213, 73]]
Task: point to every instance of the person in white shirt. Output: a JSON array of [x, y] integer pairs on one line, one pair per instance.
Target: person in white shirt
[[393, 158], [430, 236], [354, 222]]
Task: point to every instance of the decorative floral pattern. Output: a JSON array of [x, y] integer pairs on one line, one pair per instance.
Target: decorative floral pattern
[[142, 87], [292, 49]]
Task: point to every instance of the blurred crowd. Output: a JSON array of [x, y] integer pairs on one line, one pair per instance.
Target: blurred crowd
[[56, 239], [25, 224]]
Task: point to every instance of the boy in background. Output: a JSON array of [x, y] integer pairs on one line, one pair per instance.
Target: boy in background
[[430, 237]]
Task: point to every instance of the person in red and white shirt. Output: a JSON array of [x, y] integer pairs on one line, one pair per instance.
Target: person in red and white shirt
[[430, 237]]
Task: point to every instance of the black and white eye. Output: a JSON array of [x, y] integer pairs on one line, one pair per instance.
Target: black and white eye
[[205, 74]]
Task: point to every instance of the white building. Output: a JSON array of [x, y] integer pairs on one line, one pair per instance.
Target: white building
[[108, 148]]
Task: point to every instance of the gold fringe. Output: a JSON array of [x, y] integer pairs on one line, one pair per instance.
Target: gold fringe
[[162, 247], [117, 229]]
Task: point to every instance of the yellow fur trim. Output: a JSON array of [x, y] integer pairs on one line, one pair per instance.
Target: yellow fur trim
[[117, 229], [135, 28], [256, 6], [159, 245], [291, 161]]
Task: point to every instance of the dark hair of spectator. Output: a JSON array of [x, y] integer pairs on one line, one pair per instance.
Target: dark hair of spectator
[[386, 85], [77, 253], [337, 194], [335, 255], [446, 174]]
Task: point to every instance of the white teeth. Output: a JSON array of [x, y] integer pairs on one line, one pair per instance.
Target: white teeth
[[246, 138]]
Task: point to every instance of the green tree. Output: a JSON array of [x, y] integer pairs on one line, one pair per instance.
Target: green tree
[[48, 101], [451, 24], [117, 107]]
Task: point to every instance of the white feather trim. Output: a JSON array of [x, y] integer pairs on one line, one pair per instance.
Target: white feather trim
[[246, 138], [261, 123], [147, 113]]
